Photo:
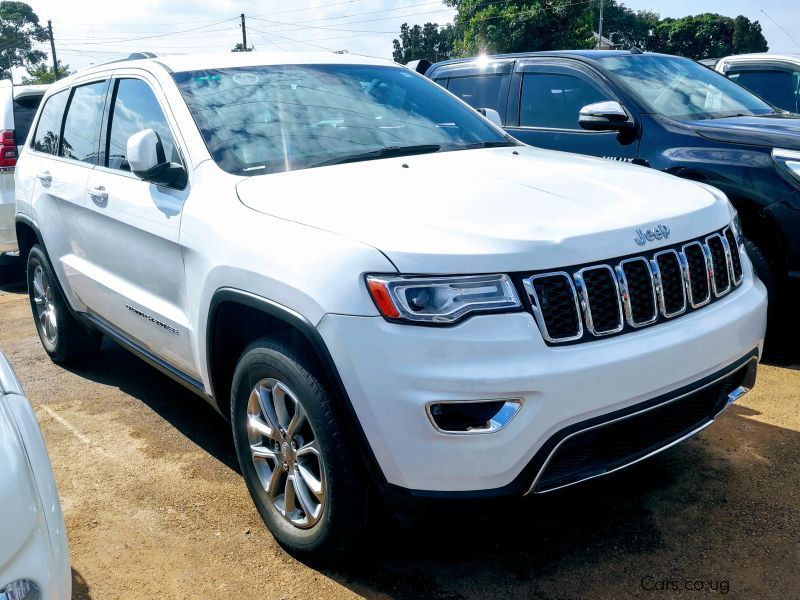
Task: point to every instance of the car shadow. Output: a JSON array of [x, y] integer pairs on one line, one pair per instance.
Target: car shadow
[[185, 411], [80, 589]]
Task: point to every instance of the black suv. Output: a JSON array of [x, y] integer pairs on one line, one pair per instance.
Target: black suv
[[663, 112]]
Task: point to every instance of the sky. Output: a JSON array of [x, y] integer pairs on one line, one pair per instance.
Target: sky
[[94, 31]]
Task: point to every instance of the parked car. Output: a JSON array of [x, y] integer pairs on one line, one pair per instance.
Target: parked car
[[665, 112], [18, 106], [34, 559], [379, 287], [774, 77]]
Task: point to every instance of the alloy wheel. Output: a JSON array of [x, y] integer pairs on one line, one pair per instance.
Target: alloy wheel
[[45, 305], [286, 453]]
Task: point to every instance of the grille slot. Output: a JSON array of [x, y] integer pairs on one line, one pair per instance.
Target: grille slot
[[600, 297], [699, 284], [555, 306], [736, 259], [639, 295], [721, 278], [672, 293]]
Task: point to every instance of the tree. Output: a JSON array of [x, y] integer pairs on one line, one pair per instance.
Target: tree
[[19, 31], [628, 28], [708, 35], [240, 48], [44, 74], [429, 41], [493, 26]]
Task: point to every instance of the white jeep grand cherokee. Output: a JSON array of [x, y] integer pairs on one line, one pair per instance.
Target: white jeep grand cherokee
[[380, 288]]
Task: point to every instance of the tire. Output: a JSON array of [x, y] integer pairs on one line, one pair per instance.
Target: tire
[[761, 267], [65, 340], [314, 504]]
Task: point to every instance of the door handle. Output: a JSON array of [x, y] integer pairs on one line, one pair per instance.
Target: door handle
[[98, 193], [45, 177]]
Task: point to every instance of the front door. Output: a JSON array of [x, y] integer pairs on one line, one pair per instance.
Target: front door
[[544, 107], [133, 253]]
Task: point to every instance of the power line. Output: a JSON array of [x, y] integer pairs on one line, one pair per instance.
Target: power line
[[781, 28]]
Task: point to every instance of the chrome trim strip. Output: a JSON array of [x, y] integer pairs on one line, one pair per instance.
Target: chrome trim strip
[[625, 291], [657, 274], [724, 242], [727, 246], [692, 302], [583, 295], [494, 426], [732, 397], [537, 314]]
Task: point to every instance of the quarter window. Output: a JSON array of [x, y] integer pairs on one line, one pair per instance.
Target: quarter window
[[136, 108], [553, 101], [82, 125], [480, 91], [48, 129]]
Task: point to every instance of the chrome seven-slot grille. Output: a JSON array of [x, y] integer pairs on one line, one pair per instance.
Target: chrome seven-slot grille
[[622, 295]]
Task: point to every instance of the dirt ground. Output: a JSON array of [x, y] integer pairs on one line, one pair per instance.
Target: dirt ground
[[155, 505]]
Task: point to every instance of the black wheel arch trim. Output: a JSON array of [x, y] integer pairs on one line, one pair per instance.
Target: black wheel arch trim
[[313, 337]]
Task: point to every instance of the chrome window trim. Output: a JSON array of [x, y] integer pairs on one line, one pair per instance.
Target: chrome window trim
[[692, 302], [724, 242], [537, 314], [657, 273], [727, 245], [625, 292], [732, 397], [583, 295]]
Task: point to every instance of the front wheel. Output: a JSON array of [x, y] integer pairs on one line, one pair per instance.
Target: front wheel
[[294, 454]]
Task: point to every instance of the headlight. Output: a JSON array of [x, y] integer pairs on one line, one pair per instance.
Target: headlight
[[788, 162], [441, 300]]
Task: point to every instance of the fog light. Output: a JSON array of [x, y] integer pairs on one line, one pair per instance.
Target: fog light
[[483, 416], [21, 589]]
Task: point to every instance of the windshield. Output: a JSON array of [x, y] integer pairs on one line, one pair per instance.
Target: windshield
[[269, 119], [683, 89]]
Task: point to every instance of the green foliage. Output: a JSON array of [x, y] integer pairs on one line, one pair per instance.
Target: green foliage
[[429, 41], [500, 26], [19, 31], [240, 48], [43, 73]]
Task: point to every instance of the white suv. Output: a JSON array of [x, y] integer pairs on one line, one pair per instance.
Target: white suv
[[380, 288], [18, 106]]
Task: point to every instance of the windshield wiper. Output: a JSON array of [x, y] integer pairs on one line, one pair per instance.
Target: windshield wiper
[[490, 144], [387, 152]]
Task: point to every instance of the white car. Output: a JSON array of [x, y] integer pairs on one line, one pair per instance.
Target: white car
[[379, 287], [774, 77], [18, 105], [34, 559]]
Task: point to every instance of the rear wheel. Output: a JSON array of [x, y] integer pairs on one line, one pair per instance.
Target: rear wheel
[[294, 454], [64, 339]]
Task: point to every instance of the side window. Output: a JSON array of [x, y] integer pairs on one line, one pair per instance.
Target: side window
[[554, 100], [776, 86], [136, 108], [479, 91], [24, 110], [82, 125], [48, 129]]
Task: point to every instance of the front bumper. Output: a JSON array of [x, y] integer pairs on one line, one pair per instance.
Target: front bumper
[[391, 372]]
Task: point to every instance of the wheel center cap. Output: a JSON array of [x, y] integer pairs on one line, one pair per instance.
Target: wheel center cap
[[286, 451]]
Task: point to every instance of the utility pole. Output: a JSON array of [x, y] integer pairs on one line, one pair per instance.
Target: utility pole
[[600, 29], [53, 49], [244, 35]]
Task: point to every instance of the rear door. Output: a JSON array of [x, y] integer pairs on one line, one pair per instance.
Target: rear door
[[544, 103], [133, 256], [479, 85], [62, 153]]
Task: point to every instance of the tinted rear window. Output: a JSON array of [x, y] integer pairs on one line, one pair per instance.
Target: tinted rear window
[[24, 111], [479, 91]]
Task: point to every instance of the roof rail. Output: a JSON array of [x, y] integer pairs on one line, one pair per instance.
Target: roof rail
[[131, 56]]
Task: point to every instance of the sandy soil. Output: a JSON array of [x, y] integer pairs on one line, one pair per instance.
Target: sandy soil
[[155, 505]]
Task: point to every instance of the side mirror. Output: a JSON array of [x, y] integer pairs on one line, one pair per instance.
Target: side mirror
[[145, 155], [605, 116], [492, 115]]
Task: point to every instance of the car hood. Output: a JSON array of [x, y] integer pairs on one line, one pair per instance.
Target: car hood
[[500, 209], [775, 131]]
